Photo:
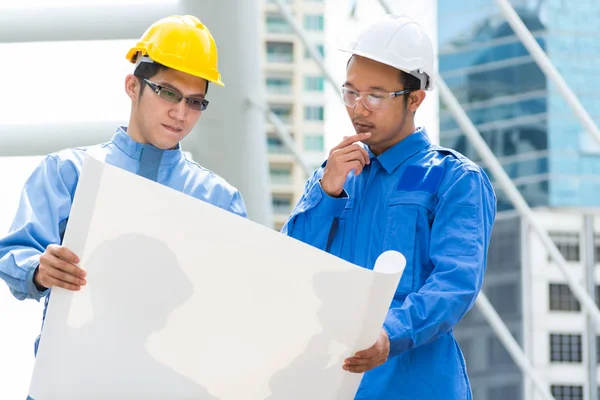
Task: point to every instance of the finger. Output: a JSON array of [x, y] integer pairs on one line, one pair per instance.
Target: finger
[[357, 152], [354, 165], [53, 282], [66, 266], [358, 361], [360, 368], [351, 139], [63, 276], [357, 167], [65, 254], [368, 353], [51, 262], [350, 157]]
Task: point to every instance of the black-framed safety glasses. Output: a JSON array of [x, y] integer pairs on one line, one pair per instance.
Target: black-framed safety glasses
[[173, 96]]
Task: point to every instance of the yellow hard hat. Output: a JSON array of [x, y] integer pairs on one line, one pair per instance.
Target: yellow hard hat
[[182, 43]]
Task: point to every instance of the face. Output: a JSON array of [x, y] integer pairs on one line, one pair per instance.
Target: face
[[157, 121], [395, 119]]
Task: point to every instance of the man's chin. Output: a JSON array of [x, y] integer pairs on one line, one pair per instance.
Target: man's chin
[[165, 145], [368, 141], [167, 142]]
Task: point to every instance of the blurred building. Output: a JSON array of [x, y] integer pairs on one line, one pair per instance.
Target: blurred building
[[295, 92], [555, 165], [521, 116], [533, 299]]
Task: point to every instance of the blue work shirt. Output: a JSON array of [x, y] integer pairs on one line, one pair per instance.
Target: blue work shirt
[[47, 197], [437, 208]]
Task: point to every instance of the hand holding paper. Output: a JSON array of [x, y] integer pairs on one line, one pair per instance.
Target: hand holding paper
[[368, 359], [57, 268]]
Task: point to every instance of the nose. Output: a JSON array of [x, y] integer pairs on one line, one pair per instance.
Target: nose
[[360, 109], [179, 111]]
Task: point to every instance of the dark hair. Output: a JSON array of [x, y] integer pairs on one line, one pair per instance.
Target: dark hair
[[410, 82], [148, 70]]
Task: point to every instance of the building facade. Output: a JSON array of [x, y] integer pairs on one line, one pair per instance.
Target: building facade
[[295, 90], [524, 120], [555, 165]]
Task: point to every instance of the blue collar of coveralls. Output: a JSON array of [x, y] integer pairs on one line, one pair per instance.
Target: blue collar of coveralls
[[138, 151], [401, 151]]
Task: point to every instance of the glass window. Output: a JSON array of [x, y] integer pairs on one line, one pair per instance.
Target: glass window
[[279, 85], [280, 52], [276, 23], [562, 299], [314, 142], [314, 83], [505, 297], [283, 111], [282, 204], [314, 22], [565, 348], [568, 244], [570, 392], [314, 113], [497, 354], [281, 175], [510, 391]]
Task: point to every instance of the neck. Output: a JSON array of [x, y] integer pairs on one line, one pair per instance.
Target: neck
[[407, 129], [134, 132]]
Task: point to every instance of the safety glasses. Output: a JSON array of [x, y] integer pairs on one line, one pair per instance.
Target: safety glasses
[[373, 101], [173, 96]]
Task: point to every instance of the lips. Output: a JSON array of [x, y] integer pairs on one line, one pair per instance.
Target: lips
[[173, 129], [362, 128]]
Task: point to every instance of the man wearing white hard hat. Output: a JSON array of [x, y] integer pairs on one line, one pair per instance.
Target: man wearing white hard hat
[[387, 187]]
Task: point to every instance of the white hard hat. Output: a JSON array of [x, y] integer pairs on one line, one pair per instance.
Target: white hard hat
[[400, 42]]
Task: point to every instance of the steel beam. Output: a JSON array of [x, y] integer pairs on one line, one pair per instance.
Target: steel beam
[[89, 22]]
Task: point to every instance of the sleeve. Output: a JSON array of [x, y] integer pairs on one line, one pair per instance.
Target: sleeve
[[40, 221], [238, 206], [460, 237], [312, 218]]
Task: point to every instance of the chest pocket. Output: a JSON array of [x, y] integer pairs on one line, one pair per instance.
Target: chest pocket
[[335, 240], [407, 214]]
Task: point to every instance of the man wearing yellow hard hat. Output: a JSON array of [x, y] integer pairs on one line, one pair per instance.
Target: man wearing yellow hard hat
[[175, 61]]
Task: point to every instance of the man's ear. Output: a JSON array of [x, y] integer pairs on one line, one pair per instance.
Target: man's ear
[[415, 99], [132, 87]]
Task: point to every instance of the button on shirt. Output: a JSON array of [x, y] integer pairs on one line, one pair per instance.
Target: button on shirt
[[46, 200], [437, 208]]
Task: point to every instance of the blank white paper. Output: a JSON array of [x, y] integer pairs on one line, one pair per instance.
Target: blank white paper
[[188, 301]]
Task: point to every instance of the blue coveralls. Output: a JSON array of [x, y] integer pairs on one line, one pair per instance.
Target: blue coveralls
[[437, 208]]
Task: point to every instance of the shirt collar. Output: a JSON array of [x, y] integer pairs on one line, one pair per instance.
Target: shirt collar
[[135, 150], [401, 151]]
